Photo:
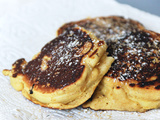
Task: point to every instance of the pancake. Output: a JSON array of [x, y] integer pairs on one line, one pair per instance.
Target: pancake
[[105, 28], [133, 81], [65, 73]]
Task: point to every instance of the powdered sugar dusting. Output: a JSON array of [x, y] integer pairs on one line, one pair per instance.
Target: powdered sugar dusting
[[136, 57], [64, 66]]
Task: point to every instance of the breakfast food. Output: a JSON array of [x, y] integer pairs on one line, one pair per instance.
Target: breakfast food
[[105, 28], [66, 71], [133, 81]]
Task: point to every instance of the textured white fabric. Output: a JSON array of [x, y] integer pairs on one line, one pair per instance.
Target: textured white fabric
[[26, 25]]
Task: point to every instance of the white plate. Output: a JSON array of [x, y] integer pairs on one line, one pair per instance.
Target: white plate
[[26, 25]]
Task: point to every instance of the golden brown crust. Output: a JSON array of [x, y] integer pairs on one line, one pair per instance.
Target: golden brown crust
[[137, 59], [78, 56], [120, 34]]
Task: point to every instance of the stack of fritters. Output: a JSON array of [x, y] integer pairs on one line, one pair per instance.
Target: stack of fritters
[[69, 68], [133, 81]]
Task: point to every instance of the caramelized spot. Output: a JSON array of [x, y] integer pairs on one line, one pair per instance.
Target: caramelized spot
[[132, 84], [93, 53], [100, 43], [18, 66], [146, 83], [118, 87], [157, 87]]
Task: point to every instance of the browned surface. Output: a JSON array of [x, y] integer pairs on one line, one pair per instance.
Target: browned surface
[[136, 51], [137, 57], [64, 64]]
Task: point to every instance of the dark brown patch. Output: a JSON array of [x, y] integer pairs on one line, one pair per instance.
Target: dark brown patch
[[132, 84], [157, 87], [18, 67], [118, 87], [93, 53], [146, 83], [31, 91], [100, 43]]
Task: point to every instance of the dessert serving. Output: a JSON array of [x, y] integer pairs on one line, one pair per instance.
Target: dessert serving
[[133, 81], [65, 73], [76, 67]]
